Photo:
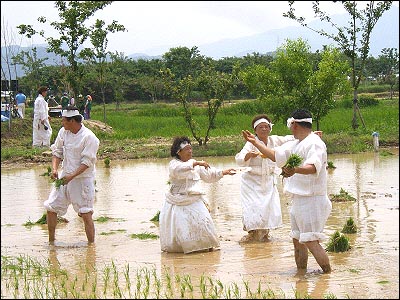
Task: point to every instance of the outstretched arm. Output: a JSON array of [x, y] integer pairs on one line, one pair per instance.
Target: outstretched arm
[[248, 136]]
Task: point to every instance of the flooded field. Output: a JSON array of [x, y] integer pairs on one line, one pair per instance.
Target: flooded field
[[130, 193]]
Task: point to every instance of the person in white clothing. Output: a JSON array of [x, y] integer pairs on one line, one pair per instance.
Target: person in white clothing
[[306, 185], [76, 146], [185, 222], [42, 130], [261, 207]]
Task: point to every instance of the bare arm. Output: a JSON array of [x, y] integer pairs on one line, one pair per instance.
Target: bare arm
[[248, 136]]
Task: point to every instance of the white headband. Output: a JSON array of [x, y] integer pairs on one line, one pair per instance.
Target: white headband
[[262, 120], [70, 113], [182, 145], [291, 120]]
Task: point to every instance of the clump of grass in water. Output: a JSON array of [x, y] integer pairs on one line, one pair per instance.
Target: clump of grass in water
[[144, 236], [294, 160], [107, 162], [338, 243], [350, 226], [331, 165], [342, 196], [156, 217], [43, 220], [48, 173]]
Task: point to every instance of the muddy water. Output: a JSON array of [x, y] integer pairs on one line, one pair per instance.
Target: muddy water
[[131, 193]]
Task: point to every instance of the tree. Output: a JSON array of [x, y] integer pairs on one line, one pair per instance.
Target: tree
[[389, 66], [98, 54], [354, 40], [294, 80], [73, 32], [32, 66]]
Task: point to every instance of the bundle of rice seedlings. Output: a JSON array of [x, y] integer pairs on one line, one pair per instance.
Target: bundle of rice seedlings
[[338, 243], [350, 226]]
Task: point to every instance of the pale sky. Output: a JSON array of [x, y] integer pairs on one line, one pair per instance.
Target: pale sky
[[155, 26]]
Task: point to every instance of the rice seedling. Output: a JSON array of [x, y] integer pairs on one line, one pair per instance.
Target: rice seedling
[[156, 217], [331, 165], [24, 277], [294, 160], [144, 236], [107, 162], [343, 196], [338, 242], [350, 226]]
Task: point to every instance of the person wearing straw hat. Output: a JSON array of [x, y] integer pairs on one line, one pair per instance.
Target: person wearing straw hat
[[261, 206], [76, 147]]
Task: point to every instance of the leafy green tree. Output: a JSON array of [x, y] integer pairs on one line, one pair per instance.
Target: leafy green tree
[[354, 40], [32, 66], [72, 34], [389, 66], [183, 61], [294, 80], [98, 54]]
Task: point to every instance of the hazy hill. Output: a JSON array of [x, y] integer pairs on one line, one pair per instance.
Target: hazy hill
[[384, 35]]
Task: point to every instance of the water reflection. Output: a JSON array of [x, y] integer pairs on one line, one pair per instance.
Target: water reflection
[[130, 193]]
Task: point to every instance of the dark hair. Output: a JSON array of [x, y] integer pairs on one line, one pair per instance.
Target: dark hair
[[42, 89], [302, 114], [176, 145], [258, 117], [77, 118]]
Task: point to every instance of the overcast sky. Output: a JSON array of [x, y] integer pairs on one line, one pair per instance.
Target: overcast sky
[[151, 24]]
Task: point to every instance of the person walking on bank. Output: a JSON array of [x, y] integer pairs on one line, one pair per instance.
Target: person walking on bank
[[306, 185], [20, 99], [76, 146], [185, 222], [42, 130], [64, 101], [261, 206], [88, 107]]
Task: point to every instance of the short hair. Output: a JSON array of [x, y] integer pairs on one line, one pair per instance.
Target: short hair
[[43, 89], [302, 114], [176, 145], [258, 117]]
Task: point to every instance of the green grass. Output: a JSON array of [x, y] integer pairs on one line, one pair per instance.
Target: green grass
[[147, 130]]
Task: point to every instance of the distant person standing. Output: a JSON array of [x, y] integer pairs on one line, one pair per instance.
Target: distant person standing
[[64, 100], [88, 107], [20, 99], [41, 126]]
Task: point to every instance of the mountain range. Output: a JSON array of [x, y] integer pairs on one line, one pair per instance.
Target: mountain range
[[384, 35]]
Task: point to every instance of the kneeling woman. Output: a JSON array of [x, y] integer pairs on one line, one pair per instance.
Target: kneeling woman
[[185, 222]]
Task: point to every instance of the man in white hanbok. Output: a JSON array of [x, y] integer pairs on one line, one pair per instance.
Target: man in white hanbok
[[261, 207], [307, 187], [185, 222], [76, 147], [42, 130]]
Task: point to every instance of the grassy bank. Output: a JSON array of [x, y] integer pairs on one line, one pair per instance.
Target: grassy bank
[[146, 130]]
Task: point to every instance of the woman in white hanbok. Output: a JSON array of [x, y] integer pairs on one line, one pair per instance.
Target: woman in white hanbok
[[261, 207], [42, 130], [185, 222]]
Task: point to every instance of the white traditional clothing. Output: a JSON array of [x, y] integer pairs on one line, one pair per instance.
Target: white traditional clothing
[[75, 149], [261, 207], [311, 206], [41, 136], [185, 222]]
